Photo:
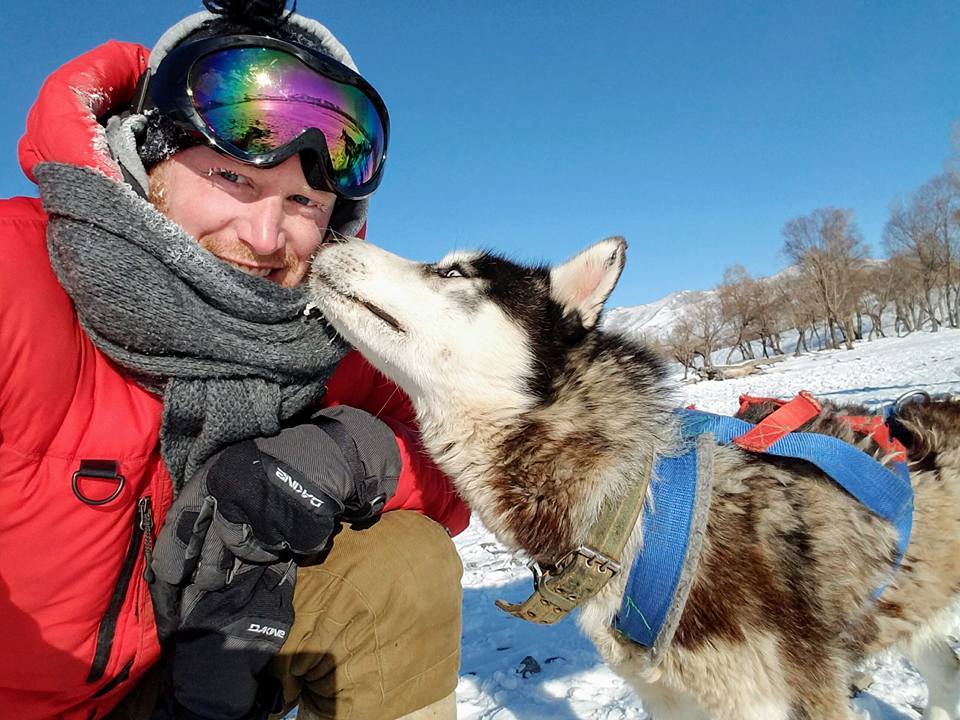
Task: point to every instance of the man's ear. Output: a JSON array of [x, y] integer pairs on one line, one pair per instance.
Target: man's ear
[[582, 284]]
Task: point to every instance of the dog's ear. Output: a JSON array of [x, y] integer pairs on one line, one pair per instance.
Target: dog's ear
[[582, 284]]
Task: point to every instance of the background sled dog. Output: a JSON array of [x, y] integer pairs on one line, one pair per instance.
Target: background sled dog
[[539, 416]]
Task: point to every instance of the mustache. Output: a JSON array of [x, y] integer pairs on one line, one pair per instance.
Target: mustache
[[239, 251]]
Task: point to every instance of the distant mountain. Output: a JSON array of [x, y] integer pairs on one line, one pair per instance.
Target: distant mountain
[[655, 319]]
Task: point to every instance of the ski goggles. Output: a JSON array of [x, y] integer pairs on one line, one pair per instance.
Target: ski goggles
[[261, 100]]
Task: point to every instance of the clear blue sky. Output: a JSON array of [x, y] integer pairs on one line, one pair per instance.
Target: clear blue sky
[[694, 129]]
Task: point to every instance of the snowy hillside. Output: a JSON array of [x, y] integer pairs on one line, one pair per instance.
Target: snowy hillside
[[652, 320], [656, 319], [513, 670]]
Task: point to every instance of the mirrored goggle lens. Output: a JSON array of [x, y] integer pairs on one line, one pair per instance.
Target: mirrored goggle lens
[[260, 99]]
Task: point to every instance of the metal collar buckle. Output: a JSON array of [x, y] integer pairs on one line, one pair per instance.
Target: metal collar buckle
[[538, 573], [578, 575], [591, 558]]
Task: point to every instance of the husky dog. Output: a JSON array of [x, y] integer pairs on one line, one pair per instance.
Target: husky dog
[[539, 416]]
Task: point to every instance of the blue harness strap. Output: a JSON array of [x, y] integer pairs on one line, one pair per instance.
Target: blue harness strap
[[651, 589], [884, 491], [656, 571]]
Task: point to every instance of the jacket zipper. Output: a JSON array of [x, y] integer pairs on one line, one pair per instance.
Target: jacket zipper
[[143, 526], [146, 525]]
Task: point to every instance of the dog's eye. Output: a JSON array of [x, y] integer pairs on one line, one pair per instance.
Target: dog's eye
[[450, 272]]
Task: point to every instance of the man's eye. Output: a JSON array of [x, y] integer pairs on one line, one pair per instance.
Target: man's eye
[[310, 203], [229, 175]]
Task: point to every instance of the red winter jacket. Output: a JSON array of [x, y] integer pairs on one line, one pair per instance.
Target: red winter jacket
[[76, 622]]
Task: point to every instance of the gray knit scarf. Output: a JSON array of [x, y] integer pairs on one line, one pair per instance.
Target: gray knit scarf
[[233, 355]]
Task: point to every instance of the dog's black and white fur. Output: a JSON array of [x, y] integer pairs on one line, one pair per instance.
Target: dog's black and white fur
[[538, 416]]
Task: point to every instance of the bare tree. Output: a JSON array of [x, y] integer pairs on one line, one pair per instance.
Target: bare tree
[[706, 322], [924, 232], [880, 292], [736, 295], [682, 345], [942, 194], [859, 287], [827, 246], [907, 289], [796, 294], [908, 235], [771, 318]]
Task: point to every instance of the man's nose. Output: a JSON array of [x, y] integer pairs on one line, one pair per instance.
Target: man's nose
[[265, 222]]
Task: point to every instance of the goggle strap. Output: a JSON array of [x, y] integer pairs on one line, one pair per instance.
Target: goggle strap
[[140, 92]]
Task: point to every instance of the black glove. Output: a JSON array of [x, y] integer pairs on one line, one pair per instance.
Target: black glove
[[223, 573], [213, 663]]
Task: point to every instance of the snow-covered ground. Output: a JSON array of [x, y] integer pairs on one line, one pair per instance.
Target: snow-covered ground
[[516, 670]]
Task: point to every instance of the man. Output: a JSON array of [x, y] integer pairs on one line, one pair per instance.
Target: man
[[163, 358]]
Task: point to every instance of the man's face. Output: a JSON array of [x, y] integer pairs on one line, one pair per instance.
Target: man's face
[[265, 221]]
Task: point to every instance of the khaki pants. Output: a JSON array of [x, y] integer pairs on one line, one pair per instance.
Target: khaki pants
[[377, 629]]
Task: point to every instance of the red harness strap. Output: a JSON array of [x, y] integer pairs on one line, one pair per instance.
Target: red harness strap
[[747, 400], [791, 414], [879, 431], [785, 419]]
